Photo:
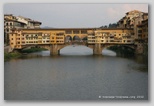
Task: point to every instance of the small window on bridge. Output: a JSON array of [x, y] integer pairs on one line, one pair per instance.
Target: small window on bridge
[[83, 31], [68, 32], [128, 40], [76, 31]]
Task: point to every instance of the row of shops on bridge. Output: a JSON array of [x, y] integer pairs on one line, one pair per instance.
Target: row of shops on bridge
[[21, 38], [98, 37]]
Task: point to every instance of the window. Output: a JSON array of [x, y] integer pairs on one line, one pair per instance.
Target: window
[[7, 30], [83, 31], [76, 31], [68, 32], [139, 31]]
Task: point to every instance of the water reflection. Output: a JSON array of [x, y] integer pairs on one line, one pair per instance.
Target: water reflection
[[74, 75]]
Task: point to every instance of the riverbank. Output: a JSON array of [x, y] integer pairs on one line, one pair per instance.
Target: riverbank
[[8, 56], [12, 55], [122, 51], [32, 50]]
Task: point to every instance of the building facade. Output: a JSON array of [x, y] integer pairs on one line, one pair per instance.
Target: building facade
[[20, 38], [139, 22], [111, 36], [11, 21]]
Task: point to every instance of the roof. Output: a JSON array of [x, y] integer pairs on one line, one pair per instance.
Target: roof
[[8, 14], [145, 13], [79, 29], [33, 21], [133, 11], [14, 21], [24, 17]]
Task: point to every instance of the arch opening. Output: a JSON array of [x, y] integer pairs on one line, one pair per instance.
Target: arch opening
[[122, 50], [84, 39], [78, 50], [35, 48], [68, 38], [76, 38]]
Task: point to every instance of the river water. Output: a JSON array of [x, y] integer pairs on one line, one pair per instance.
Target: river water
[[75, 75]]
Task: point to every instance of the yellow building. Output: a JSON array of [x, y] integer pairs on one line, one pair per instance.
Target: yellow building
[[20, 38], [11, 21], [114, 35]]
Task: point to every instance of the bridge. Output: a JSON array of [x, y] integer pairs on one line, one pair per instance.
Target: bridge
[[57, 38]]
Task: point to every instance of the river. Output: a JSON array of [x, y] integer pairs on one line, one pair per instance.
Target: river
[[76, 74]]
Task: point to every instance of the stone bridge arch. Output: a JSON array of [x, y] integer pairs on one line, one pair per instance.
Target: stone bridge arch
[[84, 38], [39, 46], [55, 49], [126, 46], [123, 49]]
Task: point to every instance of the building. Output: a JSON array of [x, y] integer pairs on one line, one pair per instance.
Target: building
[[132, 18], [142, 32], [111, 36], [11, 21], [20, 38], [139, 22]]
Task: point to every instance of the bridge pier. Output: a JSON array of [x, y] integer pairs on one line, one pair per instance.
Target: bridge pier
[[97, 49], [54, 50], [139, 49]]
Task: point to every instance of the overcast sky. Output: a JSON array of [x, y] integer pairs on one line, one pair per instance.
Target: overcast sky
[[73, 15]]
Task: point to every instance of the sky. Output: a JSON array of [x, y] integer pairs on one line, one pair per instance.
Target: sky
[[73, 15]]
